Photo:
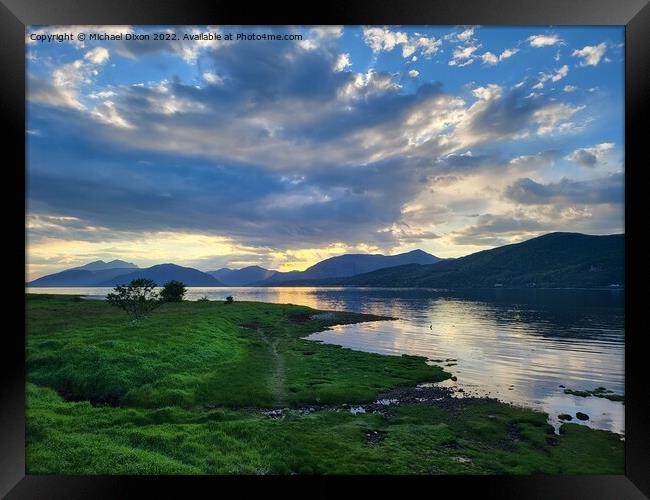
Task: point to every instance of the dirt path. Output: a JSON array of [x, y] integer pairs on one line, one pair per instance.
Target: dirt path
[[278, 378]]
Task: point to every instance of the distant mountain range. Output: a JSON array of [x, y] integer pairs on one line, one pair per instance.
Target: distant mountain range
[[549, 261], [347, 265], [161, 274], [554, 260], [97, 274], [241, 277]]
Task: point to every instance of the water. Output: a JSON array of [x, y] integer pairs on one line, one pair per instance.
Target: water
[[515, 345]]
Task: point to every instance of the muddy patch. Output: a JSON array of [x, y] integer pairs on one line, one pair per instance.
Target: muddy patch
[[250, 326], [299, 317]]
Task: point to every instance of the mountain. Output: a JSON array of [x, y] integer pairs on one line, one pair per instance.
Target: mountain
[[78, 277], [162, 273], [549, 261], [350, 265], [241, 277], [100, 265]]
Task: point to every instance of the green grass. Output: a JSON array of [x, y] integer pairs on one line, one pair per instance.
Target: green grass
[[77, 438], [169, 396], [196, 353]]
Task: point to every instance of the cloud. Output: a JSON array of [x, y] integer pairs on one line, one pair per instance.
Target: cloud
[[98, 55], [536, 161], [383, 39], [554, 76], [491, 59], [342, 62], [543, 40], [413, 73], [498, 229], [465, 35], [507, 53], [589, 157], [212, 78], [605, 190], [427, 46], [554, 116], [67, 79], [107, 113], [46, 93], [463, 56], [570, 88], [591, 54], [499, 115]]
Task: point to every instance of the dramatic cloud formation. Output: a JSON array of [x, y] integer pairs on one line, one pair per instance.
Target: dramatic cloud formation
[[281, 153]]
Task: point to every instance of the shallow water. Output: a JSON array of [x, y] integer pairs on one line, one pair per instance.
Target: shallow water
[[516, 345]]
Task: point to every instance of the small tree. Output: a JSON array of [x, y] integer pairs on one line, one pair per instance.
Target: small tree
[[138, 298], [173, 291], [229, 299]]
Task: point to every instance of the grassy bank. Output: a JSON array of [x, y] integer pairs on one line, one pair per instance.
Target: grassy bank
[[174, 395]]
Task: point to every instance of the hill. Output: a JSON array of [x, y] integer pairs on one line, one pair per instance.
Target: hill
[[549, 261]]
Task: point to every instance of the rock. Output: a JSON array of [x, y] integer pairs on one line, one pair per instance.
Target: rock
[[564, 416], [375, 437], [274, 413], [454, 379], [582, 416], [357, 409], [562, 386], [386, 402]]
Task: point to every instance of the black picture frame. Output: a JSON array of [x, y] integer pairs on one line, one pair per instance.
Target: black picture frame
[[15, 15]]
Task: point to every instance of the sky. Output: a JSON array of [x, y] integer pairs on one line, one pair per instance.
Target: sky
[[216, 153]]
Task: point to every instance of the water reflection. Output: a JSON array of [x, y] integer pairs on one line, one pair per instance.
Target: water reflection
[[519, 346]]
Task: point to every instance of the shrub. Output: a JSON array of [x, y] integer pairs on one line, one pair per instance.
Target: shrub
[[229, 299], [203, 299], [138, 298], [173, 291]]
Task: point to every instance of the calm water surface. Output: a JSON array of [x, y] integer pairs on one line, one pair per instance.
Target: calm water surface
[[518, 346]]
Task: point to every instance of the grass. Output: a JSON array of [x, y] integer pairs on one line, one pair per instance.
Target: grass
[[171, 396], [197, 353]]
